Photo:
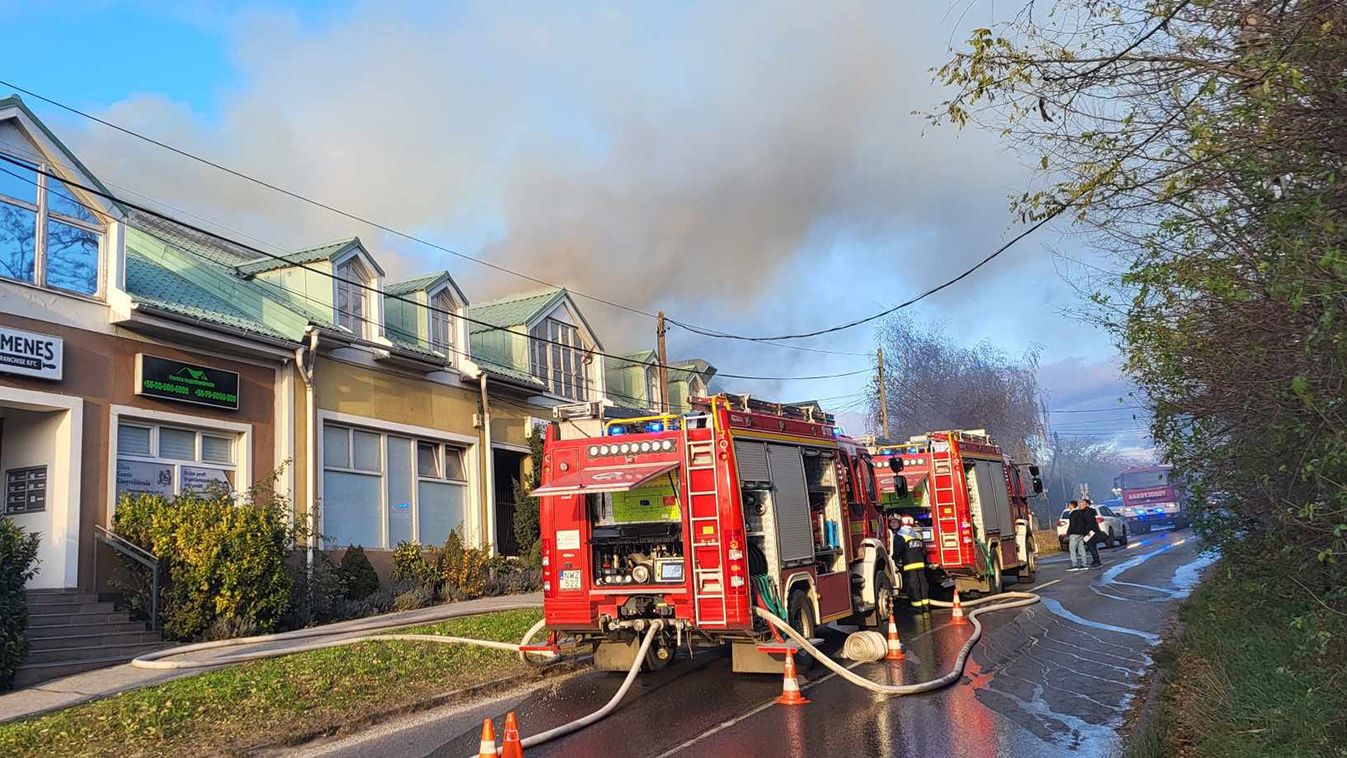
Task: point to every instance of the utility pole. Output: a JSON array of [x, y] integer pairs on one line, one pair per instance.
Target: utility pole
[[883, 395], [660, 329]]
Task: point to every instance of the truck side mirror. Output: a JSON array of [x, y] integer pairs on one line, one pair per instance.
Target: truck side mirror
[[900, 486], [1034, 472], [895, 464], [1038, 486]]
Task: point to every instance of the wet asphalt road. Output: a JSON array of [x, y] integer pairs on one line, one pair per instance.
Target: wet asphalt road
[[1045, 680]]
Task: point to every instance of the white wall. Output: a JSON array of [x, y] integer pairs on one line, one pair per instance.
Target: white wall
[[35, 438]]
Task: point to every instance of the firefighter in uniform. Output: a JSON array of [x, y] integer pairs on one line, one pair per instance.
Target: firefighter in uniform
[[910, 555]]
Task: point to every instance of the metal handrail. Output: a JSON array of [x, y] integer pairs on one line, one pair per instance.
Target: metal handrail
[[139, 555]]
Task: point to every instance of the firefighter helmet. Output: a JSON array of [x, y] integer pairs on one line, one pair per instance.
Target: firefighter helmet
[[909, 521]]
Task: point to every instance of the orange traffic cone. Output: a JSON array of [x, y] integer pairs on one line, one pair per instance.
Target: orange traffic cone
[[488, 748], [790, 685], [895, 645], [510, 746], [956, 617]]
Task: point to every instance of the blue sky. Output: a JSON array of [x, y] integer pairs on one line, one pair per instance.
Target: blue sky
[[753, 167]]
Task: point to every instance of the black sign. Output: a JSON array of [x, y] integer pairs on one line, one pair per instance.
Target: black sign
[[175, 380], [26, 490]]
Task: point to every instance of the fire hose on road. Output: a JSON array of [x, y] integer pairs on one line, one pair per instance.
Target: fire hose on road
[[156, 660], [1002, 602]]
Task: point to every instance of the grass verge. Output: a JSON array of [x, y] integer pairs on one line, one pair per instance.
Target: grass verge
[[1259, 669], [1045, 542], [265, 702]]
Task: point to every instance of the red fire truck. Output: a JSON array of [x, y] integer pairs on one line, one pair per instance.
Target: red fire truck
[[971, 501], [695, 519]]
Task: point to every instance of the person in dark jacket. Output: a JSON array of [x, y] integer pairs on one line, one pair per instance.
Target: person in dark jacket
[[1076, 530], [909, 553], [1092, 544]]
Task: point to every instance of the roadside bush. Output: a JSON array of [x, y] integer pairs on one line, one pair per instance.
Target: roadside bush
[[225, 561], [18, 565], [317, 595], [462, 569], [418, 595], [526, 511], [512, 577], [358, 574], [410, 563]]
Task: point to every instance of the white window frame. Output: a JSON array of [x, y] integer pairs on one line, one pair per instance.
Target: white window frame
[[552, 350], [451, 321], [243, 445], [385, 429], [43, 214], [364, 289]]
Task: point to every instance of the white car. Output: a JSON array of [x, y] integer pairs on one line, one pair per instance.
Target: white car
[[1113, 526]]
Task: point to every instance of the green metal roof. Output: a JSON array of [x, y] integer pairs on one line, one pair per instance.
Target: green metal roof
[[513, 374], [202, 245], [513, 311], [157, 287], [323, 252], [412, 285]]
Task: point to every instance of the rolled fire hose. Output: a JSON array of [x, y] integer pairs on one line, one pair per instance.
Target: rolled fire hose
[[867, 645], [1004, 602]]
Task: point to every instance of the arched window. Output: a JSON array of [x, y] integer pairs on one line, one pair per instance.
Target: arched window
[[353, 300]]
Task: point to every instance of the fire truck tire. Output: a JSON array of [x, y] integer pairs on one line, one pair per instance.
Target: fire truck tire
[[879, 617], [995, 580], [800, 616], [661, 653], [1030, 571]]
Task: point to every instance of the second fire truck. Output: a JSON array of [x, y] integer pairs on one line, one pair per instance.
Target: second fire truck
[[696, 519], [972, 503]]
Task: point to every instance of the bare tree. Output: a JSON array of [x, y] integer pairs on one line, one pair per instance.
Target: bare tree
[[933, 383]]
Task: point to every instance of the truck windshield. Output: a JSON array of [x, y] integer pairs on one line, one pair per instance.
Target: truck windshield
[[1138, 479]]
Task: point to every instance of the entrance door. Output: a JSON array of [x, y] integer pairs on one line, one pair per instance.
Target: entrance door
[[508, 466], [39, 469]]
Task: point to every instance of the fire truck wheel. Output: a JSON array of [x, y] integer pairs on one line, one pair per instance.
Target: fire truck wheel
[[801, 618], [879, 617], [660, 654], [994, 580], [1030, 570]]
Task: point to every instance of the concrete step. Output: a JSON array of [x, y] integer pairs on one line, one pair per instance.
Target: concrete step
[[96, 638], [125, 651], [86, 618], [59, 599], [69, 630], [30, 674]]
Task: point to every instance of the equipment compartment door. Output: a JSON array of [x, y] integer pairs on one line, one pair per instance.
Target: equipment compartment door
[[790, 502]]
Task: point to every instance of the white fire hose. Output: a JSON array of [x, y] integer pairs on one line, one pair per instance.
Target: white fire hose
[[155, 660], [1003, 602]]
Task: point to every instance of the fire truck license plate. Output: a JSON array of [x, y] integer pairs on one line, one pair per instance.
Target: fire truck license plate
[[570, 580]]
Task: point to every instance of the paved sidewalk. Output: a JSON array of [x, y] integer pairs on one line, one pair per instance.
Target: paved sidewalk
[[92, 685]]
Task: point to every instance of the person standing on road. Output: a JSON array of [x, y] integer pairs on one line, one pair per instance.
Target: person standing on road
[[1076, 529], [1096, 532], [910, 554]]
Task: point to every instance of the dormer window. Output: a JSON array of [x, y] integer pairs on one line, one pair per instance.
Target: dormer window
[[47, 236], [353, 297], [442, 308], [557, 357], [653, 395]]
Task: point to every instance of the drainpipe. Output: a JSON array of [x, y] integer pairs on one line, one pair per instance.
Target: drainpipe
[[306, 358], [488, 472]]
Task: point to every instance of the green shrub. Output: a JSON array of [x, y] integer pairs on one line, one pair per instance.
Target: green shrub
[[462, 569], [358, 574], [224, 561], [18, 564], [410, 564], [317, 593], [526, 511]]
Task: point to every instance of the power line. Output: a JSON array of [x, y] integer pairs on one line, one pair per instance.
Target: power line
[[366, 287], [361, 219]]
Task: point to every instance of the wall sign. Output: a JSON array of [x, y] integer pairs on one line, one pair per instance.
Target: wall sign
[[30, 354], [25, 490], [174, 380]]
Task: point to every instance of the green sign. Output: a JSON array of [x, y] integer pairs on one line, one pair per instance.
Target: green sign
[[174, 380]]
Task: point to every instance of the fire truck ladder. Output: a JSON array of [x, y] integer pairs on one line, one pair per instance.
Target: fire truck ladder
[[708, 575], [945, 480]]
